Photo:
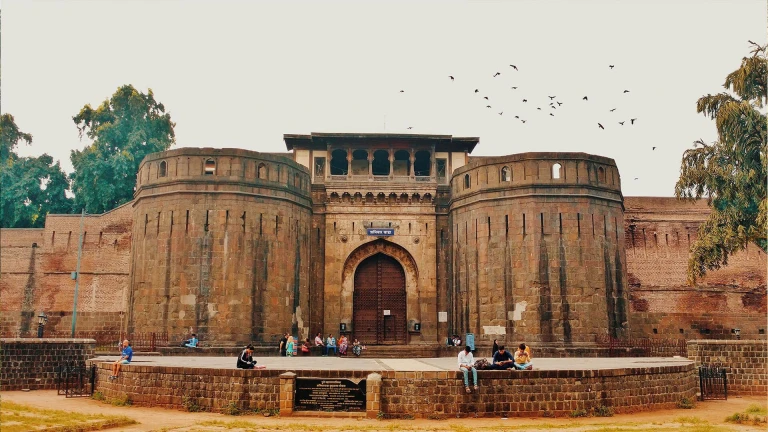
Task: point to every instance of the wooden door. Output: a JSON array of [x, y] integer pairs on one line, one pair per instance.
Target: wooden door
[[379, 289]]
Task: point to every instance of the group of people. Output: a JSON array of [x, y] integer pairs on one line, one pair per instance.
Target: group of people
[[343, 345], [502, 360]]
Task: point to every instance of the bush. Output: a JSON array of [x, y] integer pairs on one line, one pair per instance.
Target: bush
[[603, 411], [686, 403], [190, 404], [123, 400], [579, 413], [231, 408], [99, 396]]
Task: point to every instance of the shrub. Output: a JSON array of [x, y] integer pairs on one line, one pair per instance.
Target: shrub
[[603, 411], [190, 404], [686, 403], [579, 413], [123, 400], [231, 408], [99, 396]]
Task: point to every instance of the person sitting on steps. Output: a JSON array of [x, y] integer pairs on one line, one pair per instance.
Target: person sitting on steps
[[192, 342], [467, 363], [246, 361]]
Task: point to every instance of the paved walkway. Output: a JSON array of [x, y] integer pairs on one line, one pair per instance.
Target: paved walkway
[[406, 365]]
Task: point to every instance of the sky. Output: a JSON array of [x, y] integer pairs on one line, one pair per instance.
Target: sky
[[241, 74]]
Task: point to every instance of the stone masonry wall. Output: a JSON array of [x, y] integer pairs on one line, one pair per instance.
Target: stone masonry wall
[[32, 363], [36, 273], [658, 235], [746, 362], [538, 258], [223, 254], [419, 394]]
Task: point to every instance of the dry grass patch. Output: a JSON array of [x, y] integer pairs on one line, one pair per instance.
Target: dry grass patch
[[21, 418]]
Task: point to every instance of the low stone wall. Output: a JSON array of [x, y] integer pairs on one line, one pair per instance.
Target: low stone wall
[[32, 363], [746, 362], [418, 394]]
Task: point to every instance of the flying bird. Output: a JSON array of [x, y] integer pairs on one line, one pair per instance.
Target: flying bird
[[496, 74], [632, 120], [501, 113], [610, 66], [402, 91], [637, 178], [613, 110], [653, 149], [600, 126], [410, 127], [525, 100], [477, 91], [551, 114], [487, 106], [485, 97], [513, 67], [514, 88], [522, 121], [559, 103], [538, 109], [626, 91], [451, 77], [517, 117], [622, 123], [551, 97], [584, 98]]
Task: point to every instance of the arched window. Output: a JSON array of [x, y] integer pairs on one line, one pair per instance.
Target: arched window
[[380, 164], [261, 172], [163, 169], [506, 174], [601, 175], [210, 167], [339, 165], [402, 164], [467, 182], [556, 170], [422, 165], [359, 162]]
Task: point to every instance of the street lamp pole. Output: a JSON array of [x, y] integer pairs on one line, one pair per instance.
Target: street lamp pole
[[77, 272]]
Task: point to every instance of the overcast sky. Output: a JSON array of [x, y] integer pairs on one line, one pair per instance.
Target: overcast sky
[[242, 74]]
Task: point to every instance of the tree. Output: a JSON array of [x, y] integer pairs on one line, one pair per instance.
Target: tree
[[32, 187], [124, 129], [731, 172]]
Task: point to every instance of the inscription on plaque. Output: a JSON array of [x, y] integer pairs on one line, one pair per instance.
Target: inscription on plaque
[[314, 394]]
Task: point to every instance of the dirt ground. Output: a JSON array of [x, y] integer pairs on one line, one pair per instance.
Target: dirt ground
[[156, 419]]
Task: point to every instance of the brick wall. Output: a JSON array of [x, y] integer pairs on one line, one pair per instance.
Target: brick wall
[[36, 268], [31, 363], [420, 394], [746, 362], [658, 235]]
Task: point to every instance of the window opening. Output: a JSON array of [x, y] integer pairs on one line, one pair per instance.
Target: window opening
[[380, 164], [339, 165], [422, 165], [210, 167]]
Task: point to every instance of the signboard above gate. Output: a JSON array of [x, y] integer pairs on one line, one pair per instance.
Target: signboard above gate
[[380, 232]]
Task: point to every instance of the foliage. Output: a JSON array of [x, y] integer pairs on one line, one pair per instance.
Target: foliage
[[579, 413], [602, 411], [191, 404], [99, 396], [731, 172], [124, 129], [231, 408], [32, 187], [123, 400], [686, 403]]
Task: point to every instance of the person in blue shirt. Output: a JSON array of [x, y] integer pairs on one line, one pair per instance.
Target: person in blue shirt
[[125, 358], [192, 343], [503, 359]]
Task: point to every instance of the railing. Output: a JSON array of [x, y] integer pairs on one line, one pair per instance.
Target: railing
[[110, 340], [713, 382], [643, 347], [74, 379]]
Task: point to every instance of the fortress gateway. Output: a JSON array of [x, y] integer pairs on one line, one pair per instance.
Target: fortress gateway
[[393, 239]]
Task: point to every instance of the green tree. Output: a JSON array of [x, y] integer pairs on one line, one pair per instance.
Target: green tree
[[32, 187], [124, 129], [731, 172]]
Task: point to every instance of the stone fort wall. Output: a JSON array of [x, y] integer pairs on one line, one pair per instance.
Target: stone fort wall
[[281, 225], [546, 226]]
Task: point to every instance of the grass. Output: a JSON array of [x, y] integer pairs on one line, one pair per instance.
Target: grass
[[21, 418], [754, 414]]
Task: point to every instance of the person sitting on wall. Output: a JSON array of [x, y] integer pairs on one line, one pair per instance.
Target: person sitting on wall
[[192, 342], [343, 344], [319, 342], [305, 347], [357, 348], [125, 358], [330, 344], [456, 340], [503, 359], [523, 358], [467, 363], [246, 361]]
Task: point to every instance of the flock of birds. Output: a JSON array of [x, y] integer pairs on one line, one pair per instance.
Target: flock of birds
[[553, 102]]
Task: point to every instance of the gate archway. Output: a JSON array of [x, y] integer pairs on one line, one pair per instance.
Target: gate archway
[[379, 301]]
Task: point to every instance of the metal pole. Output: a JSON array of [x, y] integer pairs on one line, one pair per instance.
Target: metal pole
[[77, 272]]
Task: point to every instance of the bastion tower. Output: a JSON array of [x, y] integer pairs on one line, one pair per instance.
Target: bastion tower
[[220, 245], [538, 248]]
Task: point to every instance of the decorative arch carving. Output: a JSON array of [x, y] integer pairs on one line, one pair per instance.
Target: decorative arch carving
[[401, 255]]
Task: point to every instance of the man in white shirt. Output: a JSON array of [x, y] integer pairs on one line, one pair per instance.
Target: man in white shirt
[[319, 342], [467, 363]]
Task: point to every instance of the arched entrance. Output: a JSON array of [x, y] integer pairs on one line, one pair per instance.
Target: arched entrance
[[379, 301]]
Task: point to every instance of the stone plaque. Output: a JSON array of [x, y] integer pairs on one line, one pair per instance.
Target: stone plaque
[[314, 394]]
